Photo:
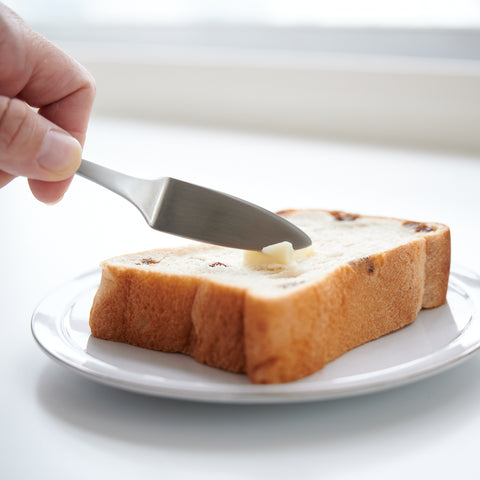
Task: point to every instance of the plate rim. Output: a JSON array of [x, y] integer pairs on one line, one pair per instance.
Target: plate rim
[[293, 392]]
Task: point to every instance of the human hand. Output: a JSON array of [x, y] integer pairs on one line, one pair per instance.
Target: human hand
[[43, 143]]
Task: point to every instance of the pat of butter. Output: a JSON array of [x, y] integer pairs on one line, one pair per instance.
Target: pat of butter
[[278, 254]]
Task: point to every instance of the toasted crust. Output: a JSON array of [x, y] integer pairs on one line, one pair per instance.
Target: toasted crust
[[280, 338]]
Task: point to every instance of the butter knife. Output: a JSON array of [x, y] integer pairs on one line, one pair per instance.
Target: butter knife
[[194, 212]]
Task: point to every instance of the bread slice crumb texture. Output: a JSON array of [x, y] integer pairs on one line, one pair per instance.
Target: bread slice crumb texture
[[338, 239]]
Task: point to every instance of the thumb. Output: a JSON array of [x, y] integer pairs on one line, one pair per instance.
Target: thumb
[[32, 146]]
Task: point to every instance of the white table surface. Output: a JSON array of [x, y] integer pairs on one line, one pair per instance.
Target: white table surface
[[56, 424]]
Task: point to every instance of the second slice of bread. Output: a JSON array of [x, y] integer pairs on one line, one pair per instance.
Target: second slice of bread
[[366, 277]]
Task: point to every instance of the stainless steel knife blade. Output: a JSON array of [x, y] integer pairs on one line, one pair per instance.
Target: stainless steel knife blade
[[198, 213]]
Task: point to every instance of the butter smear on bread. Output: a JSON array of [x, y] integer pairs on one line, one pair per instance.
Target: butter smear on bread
[[278, 254]]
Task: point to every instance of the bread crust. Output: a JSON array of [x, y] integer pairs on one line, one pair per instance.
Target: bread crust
[[357, 303], [278, 339]]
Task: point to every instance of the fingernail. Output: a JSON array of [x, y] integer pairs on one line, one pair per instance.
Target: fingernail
[[59, 152]]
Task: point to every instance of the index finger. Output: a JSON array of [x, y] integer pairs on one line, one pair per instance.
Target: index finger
[[36, 71]]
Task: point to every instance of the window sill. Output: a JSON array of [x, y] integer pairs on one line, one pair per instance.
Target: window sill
[[401, 100]]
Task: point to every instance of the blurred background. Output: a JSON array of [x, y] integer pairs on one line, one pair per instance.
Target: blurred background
[[404, 73]]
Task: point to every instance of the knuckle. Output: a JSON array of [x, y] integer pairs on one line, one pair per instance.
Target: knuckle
[[4, 106], [13, 52], [89, 85], [84, 82], [13, 116]]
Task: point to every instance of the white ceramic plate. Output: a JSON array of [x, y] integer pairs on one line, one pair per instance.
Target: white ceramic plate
[[438, 339]]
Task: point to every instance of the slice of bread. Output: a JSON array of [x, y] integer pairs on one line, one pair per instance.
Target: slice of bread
[[363, 278]]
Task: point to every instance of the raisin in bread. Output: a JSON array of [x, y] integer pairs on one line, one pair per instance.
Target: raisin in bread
[[362, 278]]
